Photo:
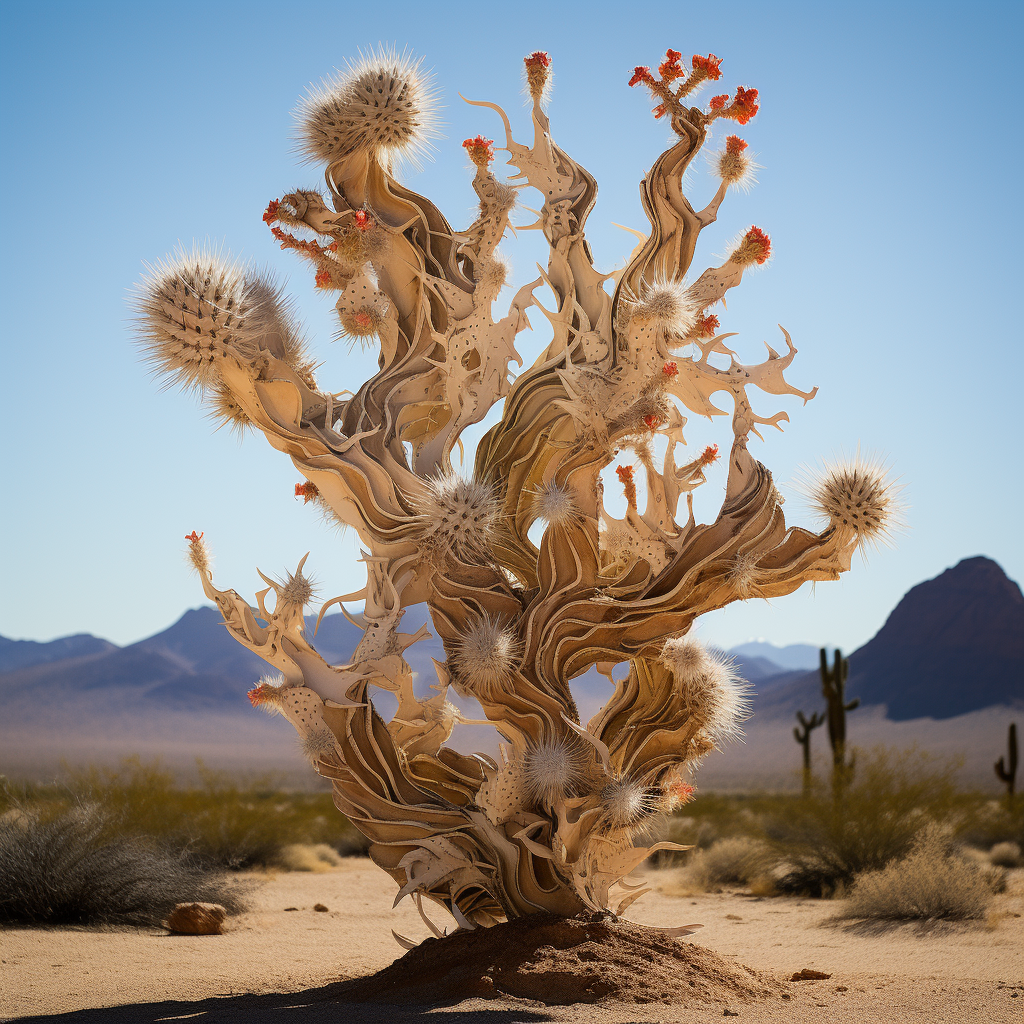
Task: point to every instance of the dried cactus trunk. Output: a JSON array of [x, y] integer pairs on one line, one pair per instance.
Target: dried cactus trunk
[[802, 734], [550, 826], [833, 688]]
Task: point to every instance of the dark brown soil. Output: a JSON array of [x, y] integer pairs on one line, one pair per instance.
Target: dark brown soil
[[561, 961]]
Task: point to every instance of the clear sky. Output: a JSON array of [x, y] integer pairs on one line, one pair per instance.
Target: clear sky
[[890, 136]]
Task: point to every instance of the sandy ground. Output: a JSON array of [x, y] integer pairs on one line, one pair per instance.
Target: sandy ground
[[274, 963]]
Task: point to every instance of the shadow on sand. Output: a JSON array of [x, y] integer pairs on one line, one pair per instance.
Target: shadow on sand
[[314, 1006]]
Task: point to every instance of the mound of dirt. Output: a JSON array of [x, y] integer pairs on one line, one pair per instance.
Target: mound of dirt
[[560, 961]]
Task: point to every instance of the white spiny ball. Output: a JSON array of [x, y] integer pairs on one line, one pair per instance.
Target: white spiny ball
[[856, 497], [196, 308], [555, 503], [460, 516], [667, 304], [627, 802], [553, 770], [714, 695], [383, 104], [486, 654]]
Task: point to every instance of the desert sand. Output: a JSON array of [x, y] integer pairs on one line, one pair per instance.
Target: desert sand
[[275, 964]]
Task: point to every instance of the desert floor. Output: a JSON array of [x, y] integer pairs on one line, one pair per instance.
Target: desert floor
[[275, 964]]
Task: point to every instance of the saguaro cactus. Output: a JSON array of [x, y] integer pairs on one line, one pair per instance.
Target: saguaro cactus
[[550, 825], [833, 688], [1006, 771], [802, 733]]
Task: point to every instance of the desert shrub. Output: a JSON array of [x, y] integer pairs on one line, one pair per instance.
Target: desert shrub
[[222, 822], [825, 843], [307, 857], [735, 861], [932, 881], [1005, 855], [67, 868]]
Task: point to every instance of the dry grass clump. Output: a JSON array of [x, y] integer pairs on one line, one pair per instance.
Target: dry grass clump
[[1005, 855], [308, 857], [737, 861], [931, 882], [69, 869]]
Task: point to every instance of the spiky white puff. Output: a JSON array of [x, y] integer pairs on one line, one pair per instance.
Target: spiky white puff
[[486, 654], [553, 770], [382, 104], [857, 498], [555, 503], [627, 802], [744, 575], [715, 696], [317, 743], [460, 516], [667, 304], [196, 308]]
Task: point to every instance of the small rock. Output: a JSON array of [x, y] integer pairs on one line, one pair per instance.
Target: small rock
[[733, 917], [320, 908], [810, 975], [730, 1013], [196, 919], [287, 909]]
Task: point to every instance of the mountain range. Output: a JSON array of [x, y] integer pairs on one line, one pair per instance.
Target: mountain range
[[953, 645]]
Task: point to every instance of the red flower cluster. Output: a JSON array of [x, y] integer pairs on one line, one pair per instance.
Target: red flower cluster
[[307, 491], [709, 455], [670, 69], [707, 325], [194, 537], [756, 237], [258, 695], [270, 213], [734, 145], [624, 473], [717, 102], [538, 58], [682, 793], [323, 278], [480, 150], [709, 66], [363, 220], [363, 320], [651, 420], [746, 104], [670, 369], [659, 111], [641, 74]]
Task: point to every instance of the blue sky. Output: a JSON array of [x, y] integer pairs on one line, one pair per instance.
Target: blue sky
[[890, 140]]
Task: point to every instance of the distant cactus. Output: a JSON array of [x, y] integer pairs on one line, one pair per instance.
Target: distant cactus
[[833, 687], [1007, 772], [803, 737]]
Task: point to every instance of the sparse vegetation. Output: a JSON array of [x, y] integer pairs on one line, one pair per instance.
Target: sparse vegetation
[[932, 881], [219, 823], [736, 861], [69, 868], [1005, 855]]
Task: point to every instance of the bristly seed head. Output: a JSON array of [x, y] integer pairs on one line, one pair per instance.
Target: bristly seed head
[[667, 304], [733, 165], [199, 554], [555, 503], [296, 589], [268, 694], [754, 247], [628, 803], [485, 654], [382, 105], [744, 575], [554, 769], [714, 695], [537, 67], [857, 498], [460, 516]]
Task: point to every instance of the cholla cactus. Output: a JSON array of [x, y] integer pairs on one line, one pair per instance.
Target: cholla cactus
[[551, 825]]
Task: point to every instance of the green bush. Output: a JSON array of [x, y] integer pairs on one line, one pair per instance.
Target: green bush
[[822, 843]]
